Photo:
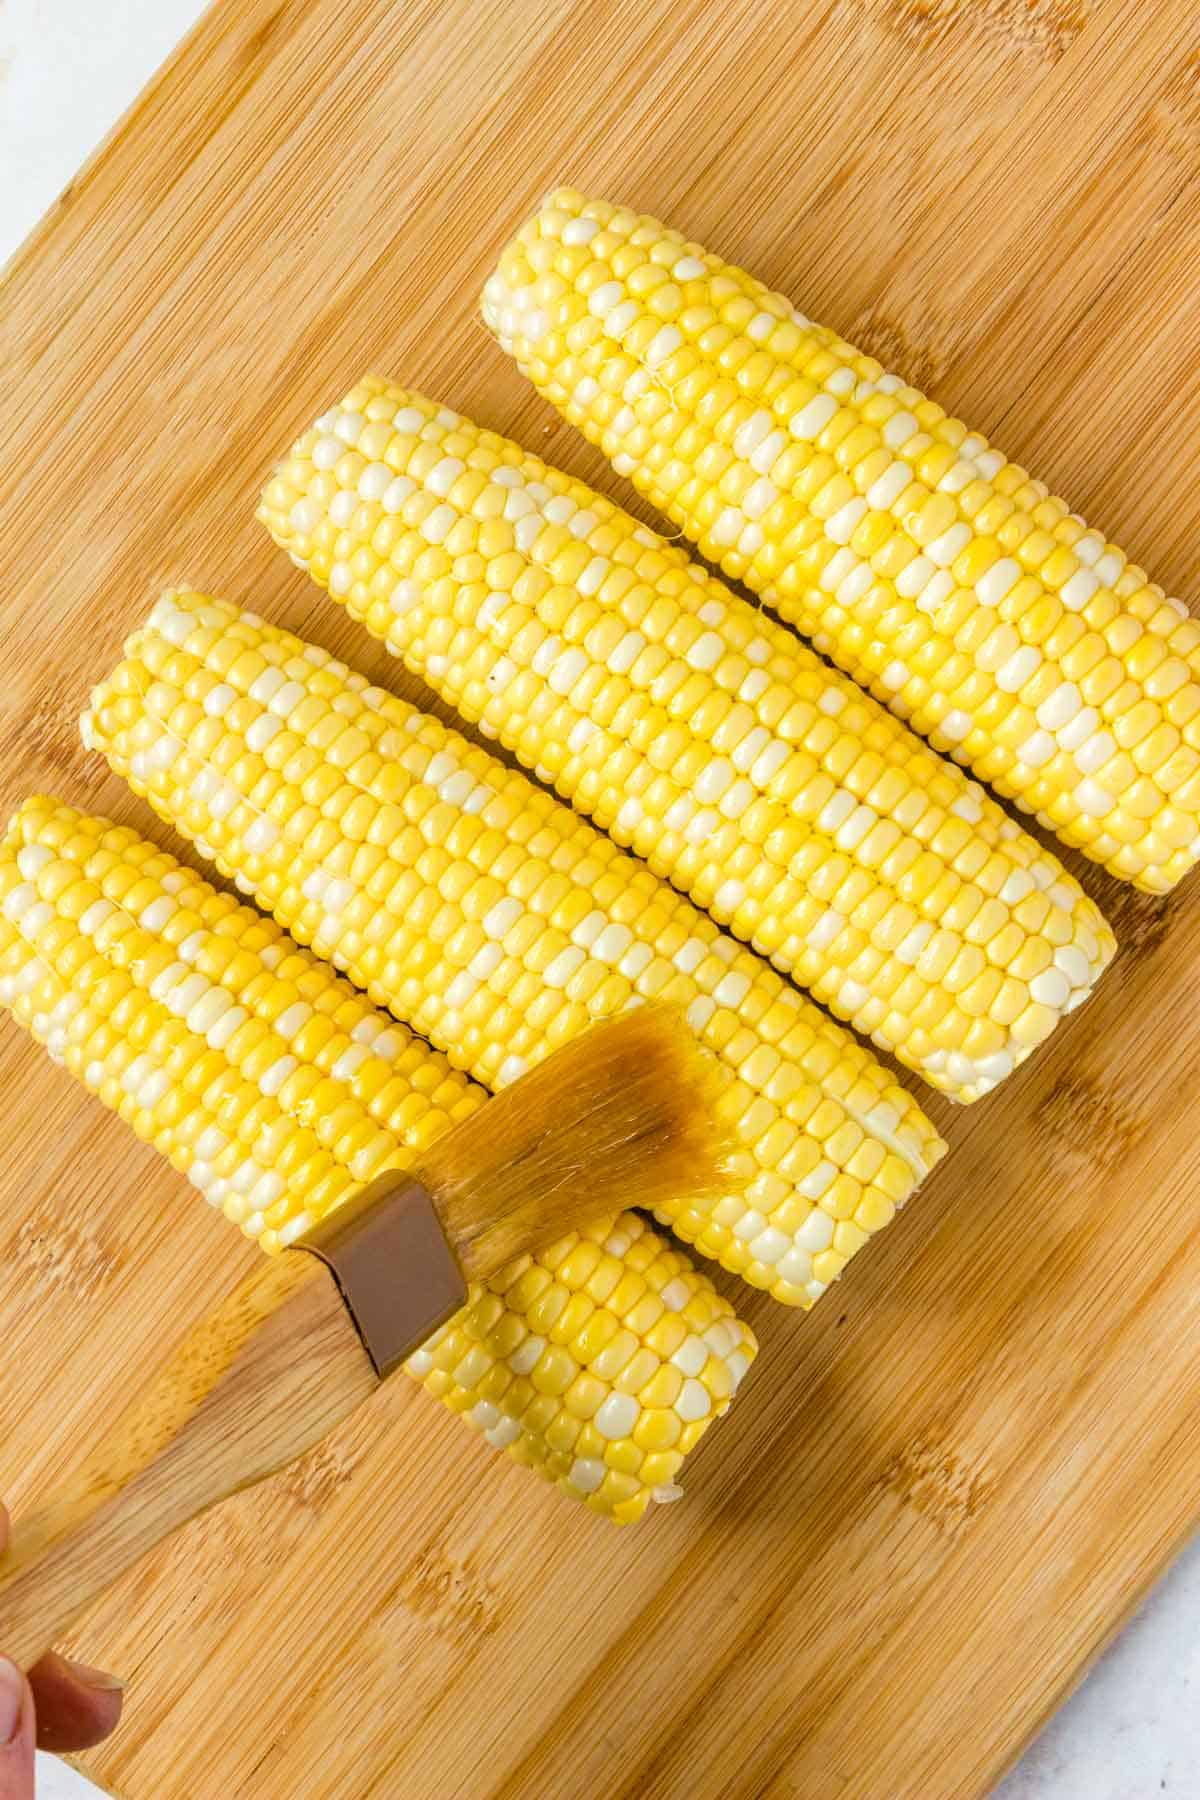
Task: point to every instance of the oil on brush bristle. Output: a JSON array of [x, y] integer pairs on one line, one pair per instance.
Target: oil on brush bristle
[[623, 1116]]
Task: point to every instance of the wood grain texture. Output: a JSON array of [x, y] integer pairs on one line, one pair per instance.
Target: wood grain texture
[[939, 1493]]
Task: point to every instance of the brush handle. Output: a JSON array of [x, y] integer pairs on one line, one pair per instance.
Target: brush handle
[[259, 1382]]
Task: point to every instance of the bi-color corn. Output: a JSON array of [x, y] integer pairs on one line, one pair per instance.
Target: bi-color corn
[[935, 571], [697, 731], [278, 1090], [495, 921]]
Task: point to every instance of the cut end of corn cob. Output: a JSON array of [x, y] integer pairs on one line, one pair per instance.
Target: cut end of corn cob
[[600, 1362], [496, 922], [937, 573], [279, 1091], [696, 731]]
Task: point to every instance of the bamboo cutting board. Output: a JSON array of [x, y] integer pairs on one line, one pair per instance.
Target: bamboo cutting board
[[940, 1493]]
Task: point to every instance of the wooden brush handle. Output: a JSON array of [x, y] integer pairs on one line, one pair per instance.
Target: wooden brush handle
[[262, 1380]]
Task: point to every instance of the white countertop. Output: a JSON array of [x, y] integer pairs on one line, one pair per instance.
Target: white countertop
[[68, 69]]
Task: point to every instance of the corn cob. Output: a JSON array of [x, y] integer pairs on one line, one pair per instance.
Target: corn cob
[[937, 573], [278, 1090], [703, 735], [493, 920]]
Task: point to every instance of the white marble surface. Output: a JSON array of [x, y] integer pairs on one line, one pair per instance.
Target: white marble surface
[[68, 69]]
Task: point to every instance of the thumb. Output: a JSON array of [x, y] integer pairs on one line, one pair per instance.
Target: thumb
[[16, 1734]]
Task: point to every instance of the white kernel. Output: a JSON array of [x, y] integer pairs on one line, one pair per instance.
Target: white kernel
[[461, 989], [914, 576], [350, 1061], [836, 811], [828, 927], [751, 433], [937, 589], [816, 1233], [1051, 988], [261, 730], [707, 651], [997, 581], [286, 698], [326, 452], [444, 474], [604, 298], [795, 1267], [818, 1181], [261, 836], [887, 488], [501, 918], [587, 1472], [664, 343], [32, 859], [218, 1035], [1079, 729], [1012, 674], [1076, 592], [1095, 751], [761, 495], [438, 525], [560, 968], [700, 1012], [265, 686], [277, 1074], [899, 428], [689, 268], [581, 735], [894, 676], [159, 913], [728, 526], [348, 426], [396, 493], [846, 520], [626, 652], [579, 231], [617, 1416], [732, 989], [764, 458], [1037, 750], [524, 1358], [855, 828], [694, 1401], [210, 1143], [1016, 888], [952, 543], [90, 920], [621, 318], [955, 725], [813, 418], [1093, 799]]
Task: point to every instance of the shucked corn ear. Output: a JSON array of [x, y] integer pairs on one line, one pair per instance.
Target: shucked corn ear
[[278, 1090], [696, 730], [935, 571], [487, 915]]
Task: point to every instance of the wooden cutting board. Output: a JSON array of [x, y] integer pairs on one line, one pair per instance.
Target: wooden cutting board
[[940, 1493]]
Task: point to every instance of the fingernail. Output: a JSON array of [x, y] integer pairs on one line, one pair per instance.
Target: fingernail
[[99, 1679], [12, 1700]]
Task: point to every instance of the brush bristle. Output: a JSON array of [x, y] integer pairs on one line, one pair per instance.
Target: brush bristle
[[622, 1116]]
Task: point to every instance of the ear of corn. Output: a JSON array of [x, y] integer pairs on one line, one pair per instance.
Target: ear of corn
[[495, 921], [278, 1090], [936, 572], [697, 731]]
